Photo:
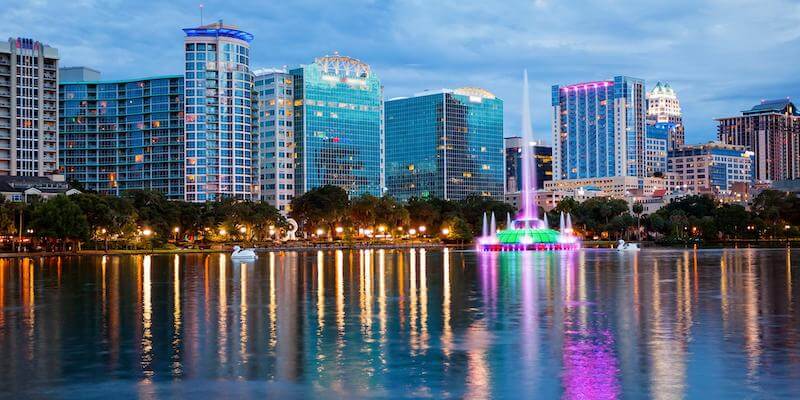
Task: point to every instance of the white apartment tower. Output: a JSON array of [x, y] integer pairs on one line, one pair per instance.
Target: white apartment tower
[[28, 108], [273, 138], [218, 95]]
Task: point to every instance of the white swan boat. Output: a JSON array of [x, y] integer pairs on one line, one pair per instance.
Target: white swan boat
[[623, 246], [243, 254]]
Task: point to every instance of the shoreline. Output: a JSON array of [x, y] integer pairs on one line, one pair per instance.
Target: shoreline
[[766, 244], [227, 249]]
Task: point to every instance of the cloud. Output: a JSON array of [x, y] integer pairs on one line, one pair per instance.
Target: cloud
[[721, 56]]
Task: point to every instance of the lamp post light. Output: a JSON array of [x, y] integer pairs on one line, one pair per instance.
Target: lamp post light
[[786, 229], [147, 232], [104, 232], [176, 230], [445, 231]]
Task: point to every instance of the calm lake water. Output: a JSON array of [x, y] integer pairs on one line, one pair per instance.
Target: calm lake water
[[589, 324]]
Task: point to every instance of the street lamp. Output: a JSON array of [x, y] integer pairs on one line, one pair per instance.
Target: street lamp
[[339, 229], [243, 230], [147, 232], [320, 231], [445, 231], [422, 228], [176, 230]]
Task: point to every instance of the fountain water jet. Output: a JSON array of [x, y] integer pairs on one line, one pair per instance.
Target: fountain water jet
[[528, 232]]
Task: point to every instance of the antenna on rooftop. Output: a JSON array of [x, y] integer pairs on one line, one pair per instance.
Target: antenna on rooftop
[[201, 15]]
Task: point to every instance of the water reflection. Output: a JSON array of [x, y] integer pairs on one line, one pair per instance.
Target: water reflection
[[417, 323]]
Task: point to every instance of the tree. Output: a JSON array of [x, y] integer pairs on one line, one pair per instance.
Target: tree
[[638, 209], [324, 206], [62, 219]]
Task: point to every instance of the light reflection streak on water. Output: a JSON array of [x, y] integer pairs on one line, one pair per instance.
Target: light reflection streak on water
[[412, 293], [367, 319], [447, 330], [530, 265], [320, 291], [340, 299], [3, 264], [243, 309], [147, 319], [382, 293], [222, 313], [423, 299], [177, 323], [273, 306], [752, 330]]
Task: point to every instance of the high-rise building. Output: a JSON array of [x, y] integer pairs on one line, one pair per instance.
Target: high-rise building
[[663, 106], [218, 113], [338, 126], [28, 108], [771, 130], [712, 168], [446, 144], [599, 129], [543, 156], [119, 135], [656, 148], [273, 138]]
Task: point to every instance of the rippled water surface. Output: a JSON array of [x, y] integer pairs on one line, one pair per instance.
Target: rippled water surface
[[591, 324]]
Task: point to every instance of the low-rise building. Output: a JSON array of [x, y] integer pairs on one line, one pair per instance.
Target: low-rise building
[[25, 188], [713, 168], [613, 186]]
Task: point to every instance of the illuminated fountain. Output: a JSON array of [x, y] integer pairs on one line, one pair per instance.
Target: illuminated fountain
[[527, 231]]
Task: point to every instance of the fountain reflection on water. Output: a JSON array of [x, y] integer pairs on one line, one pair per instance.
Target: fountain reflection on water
[[527, 232]]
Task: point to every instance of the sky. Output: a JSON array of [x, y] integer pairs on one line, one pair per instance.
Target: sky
[[721, 56]]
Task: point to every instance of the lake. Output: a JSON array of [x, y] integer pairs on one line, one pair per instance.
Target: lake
[[599, 324]]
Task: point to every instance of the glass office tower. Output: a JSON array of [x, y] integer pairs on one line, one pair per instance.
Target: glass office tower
[[218, 113], [273, 139], [542, 157], [338, 126], [446, 144], [599, 129], [125, 134]]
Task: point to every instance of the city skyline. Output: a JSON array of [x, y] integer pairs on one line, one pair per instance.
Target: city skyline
[[477, 46]]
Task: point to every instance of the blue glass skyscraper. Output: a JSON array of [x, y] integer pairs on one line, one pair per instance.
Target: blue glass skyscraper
[[338, 126], [124, 134], [218, 113], [446, 144], [599, 129]]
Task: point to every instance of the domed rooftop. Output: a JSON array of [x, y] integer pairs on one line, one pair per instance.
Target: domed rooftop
[[343, 66], [662, 90]]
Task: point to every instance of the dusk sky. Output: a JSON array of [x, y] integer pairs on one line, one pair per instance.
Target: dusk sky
[[720, 56]]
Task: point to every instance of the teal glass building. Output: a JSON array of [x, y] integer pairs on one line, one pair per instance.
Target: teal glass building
[[338, 106], [124, 134], [446, 144]]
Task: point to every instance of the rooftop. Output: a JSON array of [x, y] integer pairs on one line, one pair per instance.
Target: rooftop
[[662, 90], [218, 29], [782, 106]]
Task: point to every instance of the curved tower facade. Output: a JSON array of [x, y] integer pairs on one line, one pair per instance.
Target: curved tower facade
[[218, 113]]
